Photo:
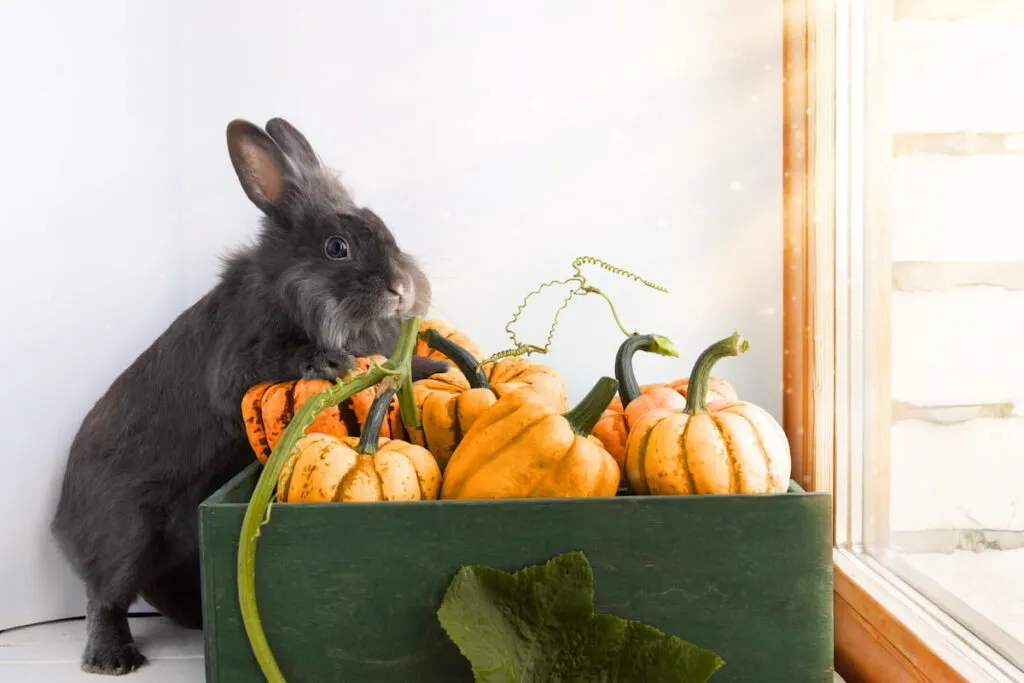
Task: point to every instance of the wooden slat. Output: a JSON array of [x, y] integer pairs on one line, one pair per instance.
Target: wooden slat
[[927, 276], [796, 131], [863, 654], [958, 143], [872, 646], [876, 297], [953, 414], [950, 10], [809, 241]]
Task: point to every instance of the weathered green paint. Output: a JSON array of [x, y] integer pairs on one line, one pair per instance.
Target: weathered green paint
[[348, 592]]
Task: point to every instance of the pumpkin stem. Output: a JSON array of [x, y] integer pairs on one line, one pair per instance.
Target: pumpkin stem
[[585, 415], [399, 368], [629, 388], [462, 358], [370, 437], [697, 390]]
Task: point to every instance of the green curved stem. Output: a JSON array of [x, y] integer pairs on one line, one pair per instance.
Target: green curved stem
[[697, 390], [629, 388], [407, 406], [585, 415], [402, 358], [370, 437], [462, 358], [587, 289], [398, 367]]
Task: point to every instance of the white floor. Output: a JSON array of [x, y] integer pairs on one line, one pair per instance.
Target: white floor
[[49, 653]]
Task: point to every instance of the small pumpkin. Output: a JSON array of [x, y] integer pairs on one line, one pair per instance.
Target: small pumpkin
[[447, 331], [725, 447], [614, 426], [450, 402], [267, 409], [524, 447], [325, 468]]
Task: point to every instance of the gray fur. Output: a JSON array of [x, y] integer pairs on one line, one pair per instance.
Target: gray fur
[[169, 431]]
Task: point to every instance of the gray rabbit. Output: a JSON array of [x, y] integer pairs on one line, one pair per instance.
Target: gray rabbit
[[325, 282]]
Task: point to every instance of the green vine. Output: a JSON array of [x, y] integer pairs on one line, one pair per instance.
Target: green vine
[[581, 288], [396, 372]]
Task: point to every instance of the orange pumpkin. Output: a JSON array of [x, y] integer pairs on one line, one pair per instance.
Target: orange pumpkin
[[448, 332], [325, 468], [524, 447], [450, 402], [615, 424], [267, 409], [725, 447]]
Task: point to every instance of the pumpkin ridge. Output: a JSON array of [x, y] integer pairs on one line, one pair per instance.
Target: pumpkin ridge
[[419, 481], [457, 424], [641, 453], [522, 435], [553, 471], [289, 403], [348, 418], [438, 415], [685, 455], [274, 403], [507, 443], [760, 445], [734, 475], [284, 480], [252, 411]]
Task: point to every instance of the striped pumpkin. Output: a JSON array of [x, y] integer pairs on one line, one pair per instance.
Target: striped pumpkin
[[267, 409]]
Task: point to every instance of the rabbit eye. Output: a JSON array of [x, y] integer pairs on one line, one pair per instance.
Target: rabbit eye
[[336, 248]]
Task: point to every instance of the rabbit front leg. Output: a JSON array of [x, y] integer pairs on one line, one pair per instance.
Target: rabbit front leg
[[311, 362], [234, 371]]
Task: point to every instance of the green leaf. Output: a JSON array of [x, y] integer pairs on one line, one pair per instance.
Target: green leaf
[[538, 626]]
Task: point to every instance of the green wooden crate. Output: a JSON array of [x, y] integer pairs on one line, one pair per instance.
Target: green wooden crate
[[349, 592]]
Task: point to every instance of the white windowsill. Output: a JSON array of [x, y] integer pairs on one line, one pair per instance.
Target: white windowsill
[[49, 653], [956, 646]]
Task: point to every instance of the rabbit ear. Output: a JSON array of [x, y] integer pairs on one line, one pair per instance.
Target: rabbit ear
[[293, 143], [259, 163]]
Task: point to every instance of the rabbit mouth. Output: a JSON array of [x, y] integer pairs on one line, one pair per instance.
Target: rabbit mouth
[[398, 306], [404, 298]]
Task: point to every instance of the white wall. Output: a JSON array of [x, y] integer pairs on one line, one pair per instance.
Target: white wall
[[499, 140]]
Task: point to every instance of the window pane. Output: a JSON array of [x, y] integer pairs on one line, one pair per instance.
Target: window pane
[[951, 495], [958, 208], [959, 74], [952, 347]]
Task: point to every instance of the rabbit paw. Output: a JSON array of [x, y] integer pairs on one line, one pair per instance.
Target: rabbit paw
[[114, 660], [326, 365]]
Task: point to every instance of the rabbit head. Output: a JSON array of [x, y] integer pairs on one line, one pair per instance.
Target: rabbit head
[[335, 266]]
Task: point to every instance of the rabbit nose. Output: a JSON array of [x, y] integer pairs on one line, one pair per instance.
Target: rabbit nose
[[398, 289]]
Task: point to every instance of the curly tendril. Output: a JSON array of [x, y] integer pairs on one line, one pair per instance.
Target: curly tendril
[[579, 279]]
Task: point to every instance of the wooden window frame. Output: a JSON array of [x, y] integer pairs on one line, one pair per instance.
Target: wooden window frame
[[885, 630]]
